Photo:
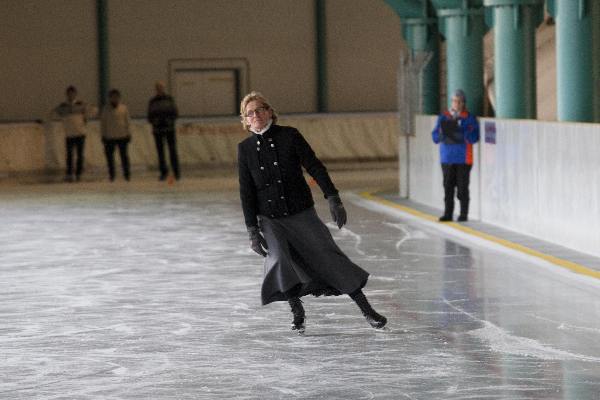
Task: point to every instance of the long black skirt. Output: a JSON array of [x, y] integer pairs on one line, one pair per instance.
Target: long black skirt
[[303, 259]]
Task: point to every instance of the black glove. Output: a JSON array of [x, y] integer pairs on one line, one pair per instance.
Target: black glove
[[257, 241], [338, 212]]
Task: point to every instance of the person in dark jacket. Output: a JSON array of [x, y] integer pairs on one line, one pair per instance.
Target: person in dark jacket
[[162, 113], [456, 130], [301, 255]]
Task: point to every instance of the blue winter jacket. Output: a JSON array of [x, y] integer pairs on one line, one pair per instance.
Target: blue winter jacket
[[460, 153]]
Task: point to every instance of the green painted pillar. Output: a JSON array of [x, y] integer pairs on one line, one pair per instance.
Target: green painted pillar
[[321, 52], [103, 61], [575, 60], [514, 23], [464, 30], [419, 29], [430, 80], [422, 36], [596, 45]]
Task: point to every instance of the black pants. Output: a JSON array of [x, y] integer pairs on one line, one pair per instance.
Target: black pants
[[456, 179], [109, 150], [159, 139], [75, 143]]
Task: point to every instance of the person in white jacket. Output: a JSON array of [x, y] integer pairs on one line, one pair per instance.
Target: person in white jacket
[[114, 125], [74, 114]]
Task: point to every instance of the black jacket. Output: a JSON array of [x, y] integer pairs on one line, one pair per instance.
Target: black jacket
[[271, 178], [162, 113]]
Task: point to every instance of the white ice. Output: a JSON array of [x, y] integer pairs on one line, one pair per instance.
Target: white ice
[[155, 295]]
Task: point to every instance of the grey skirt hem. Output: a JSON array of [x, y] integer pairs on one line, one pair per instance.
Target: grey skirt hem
[[303, 259], [301, 290]]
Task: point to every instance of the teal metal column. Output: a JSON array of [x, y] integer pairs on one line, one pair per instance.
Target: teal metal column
[[430, 79], [421, 35], [514, 23], [103, 61], [574, 60], [596, 50], [321, 44], [463, 29]]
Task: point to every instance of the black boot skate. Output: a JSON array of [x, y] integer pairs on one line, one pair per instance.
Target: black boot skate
[[374, 319], [299, 317]]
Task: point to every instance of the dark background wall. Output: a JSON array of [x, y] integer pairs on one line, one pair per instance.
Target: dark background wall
[[46, 46]]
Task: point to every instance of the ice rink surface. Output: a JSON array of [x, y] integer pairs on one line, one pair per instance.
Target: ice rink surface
[[109, 295]]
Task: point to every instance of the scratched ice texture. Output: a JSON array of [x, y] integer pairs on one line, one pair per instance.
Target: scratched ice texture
[[156, 296]]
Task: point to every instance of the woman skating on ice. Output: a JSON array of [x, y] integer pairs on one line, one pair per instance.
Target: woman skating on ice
[[301, 255]]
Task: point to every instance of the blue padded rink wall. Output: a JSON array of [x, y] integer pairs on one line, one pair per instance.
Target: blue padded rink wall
[[138, 292]]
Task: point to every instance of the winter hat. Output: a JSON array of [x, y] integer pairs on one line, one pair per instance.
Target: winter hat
[[460, 94]]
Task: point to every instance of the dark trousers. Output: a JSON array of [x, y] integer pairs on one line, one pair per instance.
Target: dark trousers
[[159, 139], [109, 150], [75, 144], [456, 180]]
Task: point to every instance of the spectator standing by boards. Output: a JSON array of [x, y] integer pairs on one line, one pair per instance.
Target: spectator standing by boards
[[162, 113], [114, 125], [456, 130], [74, 114]]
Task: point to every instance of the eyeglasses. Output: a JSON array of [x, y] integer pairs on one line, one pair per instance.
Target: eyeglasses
[[252, 113]]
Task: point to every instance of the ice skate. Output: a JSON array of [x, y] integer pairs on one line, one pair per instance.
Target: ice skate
[[374, 319], [299, 326], [299, 322]]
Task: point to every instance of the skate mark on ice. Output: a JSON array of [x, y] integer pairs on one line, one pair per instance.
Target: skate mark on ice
[[568, 327], [347, 232], [59, 381], [407, 234], [408, 253], [501, 341], [184, 330]]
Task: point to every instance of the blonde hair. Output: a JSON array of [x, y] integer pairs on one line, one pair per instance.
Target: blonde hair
[[255, 96]]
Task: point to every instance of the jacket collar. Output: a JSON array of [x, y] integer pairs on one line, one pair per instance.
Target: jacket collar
[[463, 114], [263, 130]]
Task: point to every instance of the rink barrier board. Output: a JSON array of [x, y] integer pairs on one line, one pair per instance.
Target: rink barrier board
[[537, 178], [205, 143], [572, 266]]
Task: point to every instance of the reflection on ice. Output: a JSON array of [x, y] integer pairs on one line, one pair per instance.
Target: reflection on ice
[[502, 341]]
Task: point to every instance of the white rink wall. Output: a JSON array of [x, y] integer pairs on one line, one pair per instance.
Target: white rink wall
[[32, 148], [539, 178]]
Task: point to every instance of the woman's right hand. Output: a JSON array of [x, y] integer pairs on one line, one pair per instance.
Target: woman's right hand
[[257, 241]]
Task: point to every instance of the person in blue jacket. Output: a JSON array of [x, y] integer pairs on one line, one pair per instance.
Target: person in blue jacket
[[456, 130]]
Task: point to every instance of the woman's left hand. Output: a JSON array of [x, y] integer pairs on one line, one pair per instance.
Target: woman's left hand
[[338, 212]]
